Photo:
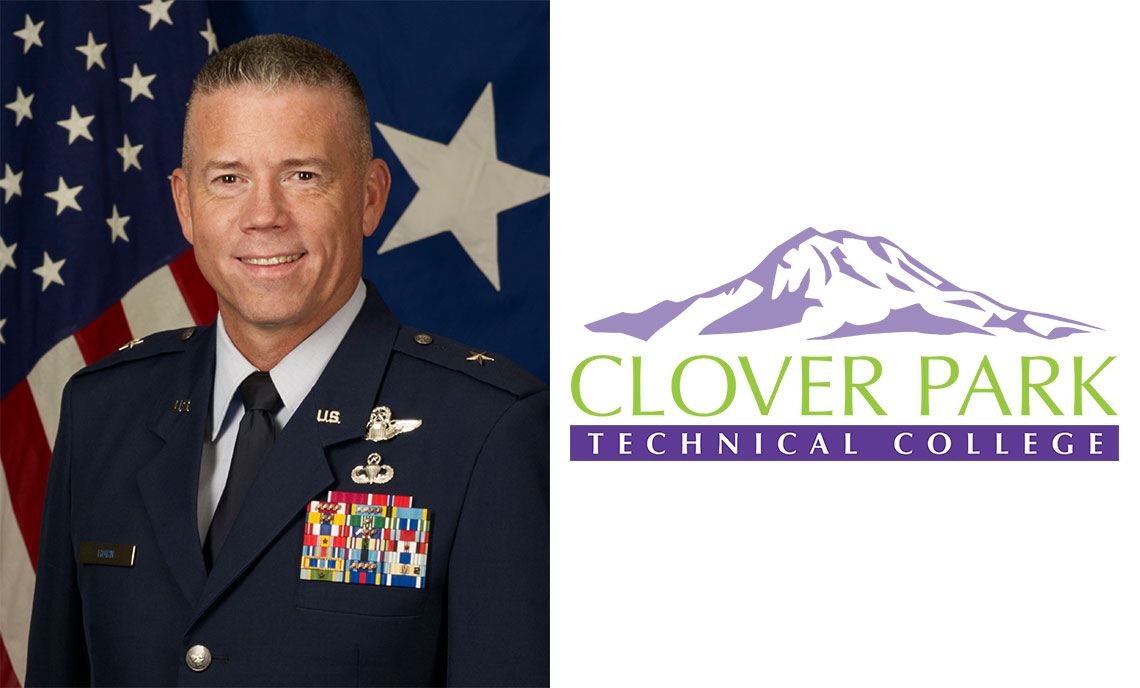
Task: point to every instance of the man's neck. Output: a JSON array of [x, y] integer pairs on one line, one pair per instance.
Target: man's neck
[[265, 346]]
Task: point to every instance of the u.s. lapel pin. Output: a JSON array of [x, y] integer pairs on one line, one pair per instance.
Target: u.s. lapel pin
[[327, 416], [372, 473], [381, 426]]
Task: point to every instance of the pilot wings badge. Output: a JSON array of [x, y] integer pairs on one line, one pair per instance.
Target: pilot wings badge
[[381, 426]]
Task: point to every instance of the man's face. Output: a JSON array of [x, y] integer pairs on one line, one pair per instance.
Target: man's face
[[276, 203]]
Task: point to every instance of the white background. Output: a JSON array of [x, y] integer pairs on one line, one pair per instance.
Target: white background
[[996, 142]]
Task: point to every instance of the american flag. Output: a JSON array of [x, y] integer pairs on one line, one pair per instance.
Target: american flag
[[91, 255], [90, 252]]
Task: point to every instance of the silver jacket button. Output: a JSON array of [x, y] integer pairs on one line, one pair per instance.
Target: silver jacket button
[[198, 657]]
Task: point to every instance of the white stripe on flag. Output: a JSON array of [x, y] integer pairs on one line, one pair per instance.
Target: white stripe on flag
[[48, 378], [156, 304], [17, 583]]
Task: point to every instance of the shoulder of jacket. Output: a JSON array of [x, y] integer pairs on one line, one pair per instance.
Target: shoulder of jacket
[[484, 366], [168, 341]]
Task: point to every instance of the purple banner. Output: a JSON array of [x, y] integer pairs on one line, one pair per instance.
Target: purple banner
[[844, 442]]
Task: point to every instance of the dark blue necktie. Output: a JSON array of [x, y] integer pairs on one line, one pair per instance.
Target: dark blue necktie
[[255, 438]]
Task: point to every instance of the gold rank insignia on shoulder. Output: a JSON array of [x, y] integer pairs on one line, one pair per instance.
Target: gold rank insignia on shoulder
[[131, 344], [381, 426], [479, 357], [373, 473]]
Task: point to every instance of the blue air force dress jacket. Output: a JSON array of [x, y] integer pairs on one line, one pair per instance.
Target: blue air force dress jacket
[[125, 471]]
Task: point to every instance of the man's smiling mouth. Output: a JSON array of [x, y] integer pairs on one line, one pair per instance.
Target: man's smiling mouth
[[275, 260]]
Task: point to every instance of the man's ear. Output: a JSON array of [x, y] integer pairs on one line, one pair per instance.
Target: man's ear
[[180, 190], [377, 181]]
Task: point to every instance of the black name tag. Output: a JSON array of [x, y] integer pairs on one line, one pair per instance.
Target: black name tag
[[106, 553]]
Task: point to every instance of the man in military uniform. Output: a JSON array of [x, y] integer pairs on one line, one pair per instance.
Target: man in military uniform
[[305, 492]]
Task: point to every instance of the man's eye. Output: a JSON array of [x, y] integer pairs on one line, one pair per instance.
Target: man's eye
[[306, 176], [228, 179]]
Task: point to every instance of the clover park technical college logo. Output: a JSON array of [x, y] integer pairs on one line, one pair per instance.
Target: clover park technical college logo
[[841, 286]]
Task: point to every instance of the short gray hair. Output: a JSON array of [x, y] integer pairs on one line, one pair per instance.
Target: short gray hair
[[276, 61]]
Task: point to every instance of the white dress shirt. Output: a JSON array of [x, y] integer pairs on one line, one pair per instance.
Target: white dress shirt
[[293, 377]]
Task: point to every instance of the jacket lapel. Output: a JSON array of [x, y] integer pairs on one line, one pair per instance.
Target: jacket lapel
[[352, 378], [297, 469], [169, 482]]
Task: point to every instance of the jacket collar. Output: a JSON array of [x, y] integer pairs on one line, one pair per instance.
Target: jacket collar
[[294, 376]]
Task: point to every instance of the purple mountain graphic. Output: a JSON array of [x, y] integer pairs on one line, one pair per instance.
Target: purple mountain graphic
[[840, 284]]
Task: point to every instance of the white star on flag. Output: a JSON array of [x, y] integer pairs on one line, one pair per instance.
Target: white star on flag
[[64, 197], [30, 33], [463, 186], [2, 322], [140, 85], [22, 105], [130, 154], [159, 10], [118, 224], [11, 183], [49, 271], [93, 51], [211, 38], [6, 253], [76, 126]]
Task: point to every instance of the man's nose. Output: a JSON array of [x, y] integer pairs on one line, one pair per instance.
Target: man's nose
[[265, 207]]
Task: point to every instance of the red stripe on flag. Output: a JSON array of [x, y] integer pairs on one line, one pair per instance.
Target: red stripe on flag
[[199, 295], [26, 454], [7, 673], [105, 334]]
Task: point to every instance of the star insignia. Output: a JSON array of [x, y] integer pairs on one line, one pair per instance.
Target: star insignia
[[64, 196], [118, 224], [140, 84], [76, 126], [93, 51], [130, 154], [22, 105], [211, 38], [6, 251], [463, 186], [159, 11], [49, 271], [30, 33], [478, 357], [11, 183]]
